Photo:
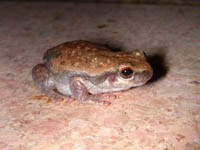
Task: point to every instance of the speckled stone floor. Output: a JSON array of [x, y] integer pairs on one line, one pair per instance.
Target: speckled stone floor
[[161, 115]]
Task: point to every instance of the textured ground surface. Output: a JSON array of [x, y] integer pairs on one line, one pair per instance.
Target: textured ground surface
[[162, 115]]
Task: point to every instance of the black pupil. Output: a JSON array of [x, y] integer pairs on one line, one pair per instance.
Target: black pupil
[[127, 72]]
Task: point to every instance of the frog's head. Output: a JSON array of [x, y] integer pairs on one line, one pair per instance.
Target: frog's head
[[134, 72], [127, 74]]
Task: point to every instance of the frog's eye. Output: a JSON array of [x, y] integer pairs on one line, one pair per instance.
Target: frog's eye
[[126, 72]]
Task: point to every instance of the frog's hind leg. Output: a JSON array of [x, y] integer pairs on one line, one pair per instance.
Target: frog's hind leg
[[45, 82]]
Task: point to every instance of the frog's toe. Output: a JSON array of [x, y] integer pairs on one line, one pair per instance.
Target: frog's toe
[[109, 96], [98, 102]]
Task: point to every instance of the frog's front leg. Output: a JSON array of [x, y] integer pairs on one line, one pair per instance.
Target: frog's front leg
[[81, 93], [45, 82]]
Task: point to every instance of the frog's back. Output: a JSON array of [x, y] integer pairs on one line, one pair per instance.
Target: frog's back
[[84, 56]]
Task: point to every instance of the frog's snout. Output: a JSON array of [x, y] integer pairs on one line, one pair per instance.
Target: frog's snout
[[143, 76]]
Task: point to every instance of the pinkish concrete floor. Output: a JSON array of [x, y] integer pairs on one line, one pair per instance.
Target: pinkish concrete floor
[[162, 115]]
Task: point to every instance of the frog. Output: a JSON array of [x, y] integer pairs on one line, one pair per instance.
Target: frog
[[84, 71]]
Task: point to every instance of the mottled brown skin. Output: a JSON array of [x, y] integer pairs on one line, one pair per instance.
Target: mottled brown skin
[[84, 70]]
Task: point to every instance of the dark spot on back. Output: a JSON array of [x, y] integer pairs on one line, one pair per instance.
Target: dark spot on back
[[62, 62], [195, 82], [101, 26]]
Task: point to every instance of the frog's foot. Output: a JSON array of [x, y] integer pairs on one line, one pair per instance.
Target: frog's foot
[[44, 81], [109, 96], [100, 98], [80, 92], [96, 99]]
